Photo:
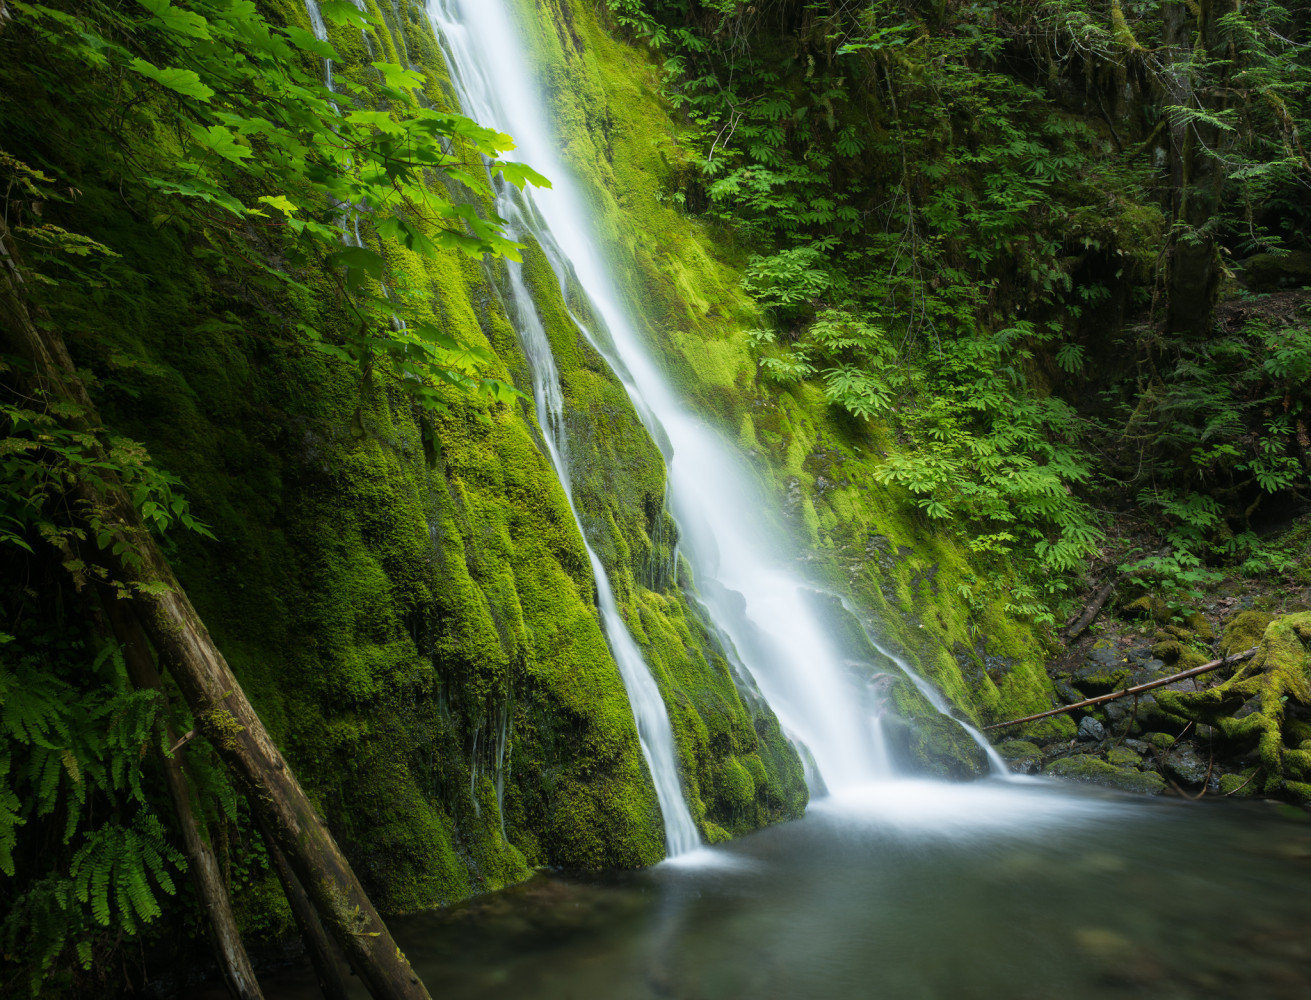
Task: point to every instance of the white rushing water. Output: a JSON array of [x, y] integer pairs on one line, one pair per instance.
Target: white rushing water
[[483, 102], [756, 600]]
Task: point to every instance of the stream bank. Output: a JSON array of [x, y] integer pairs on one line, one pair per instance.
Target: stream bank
[[1243, 730]]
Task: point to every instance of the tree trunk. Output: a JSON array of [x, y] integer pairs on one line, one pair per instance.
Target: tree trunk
[[231, 953], [327, 966], [1198, 170], [136, 565]]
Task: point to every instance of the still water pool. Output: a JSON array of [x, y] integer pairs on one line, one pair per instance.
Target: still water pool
[[910, 890]]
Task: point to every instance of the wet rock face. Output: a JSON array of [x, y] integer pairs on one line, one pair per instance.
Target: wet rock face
[[1021, 756], [1104, 670], [1185, 765]]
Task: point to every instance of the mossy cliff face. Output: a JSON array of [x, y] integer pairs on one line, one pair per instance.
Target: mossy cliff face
[[405, 594], [914, 587]]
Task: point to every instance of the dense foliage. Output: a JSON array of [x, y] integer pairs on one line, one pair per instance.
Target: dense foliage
[[971, 219], [1044, 253]]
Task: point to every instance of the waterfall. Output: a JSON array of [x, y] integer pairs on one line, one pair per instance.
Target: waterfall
[[754, 597], [481, 101]]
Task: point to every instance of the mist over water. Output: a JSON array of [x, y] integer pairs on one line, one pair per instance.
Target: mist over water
[[911, 891]]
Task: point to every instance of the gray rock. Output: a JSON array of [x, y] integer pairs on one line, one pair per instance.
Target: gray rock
[[1067, 692], [1253, 704], [1185, 765], [1091, 729]]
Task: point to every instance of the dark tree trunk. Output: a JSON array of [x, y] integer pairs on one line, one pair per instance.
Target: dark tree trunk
[[327, 966], [1197, 167], [228, 947]]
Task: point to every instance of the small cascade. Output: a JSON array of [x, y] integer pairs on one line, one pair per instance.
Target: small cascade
[[996, 763], [502, 764], [348, 222], [737, 555], [479, 100]]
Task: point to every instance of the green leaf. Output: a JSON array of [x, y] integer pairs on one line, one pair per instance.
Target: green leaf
[[177, 21], [368, 261], [280, 202], [218, 139], [185, 81], [519, 174], [398, 76], [344, 12]]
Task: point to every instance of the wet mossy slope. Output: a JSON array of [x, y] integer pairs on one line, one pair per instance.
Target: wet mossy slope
[[405, 594], [915, 587]]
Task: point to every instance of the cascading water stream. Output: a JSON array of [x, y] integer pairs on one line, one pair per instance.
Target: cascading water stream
[[656, 735], [754, 599]]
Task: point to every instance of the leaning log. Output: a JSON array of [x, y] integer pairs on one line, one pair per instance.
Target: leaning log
[[1094, 607], [135, 563], [234, 963], [1205, 668]]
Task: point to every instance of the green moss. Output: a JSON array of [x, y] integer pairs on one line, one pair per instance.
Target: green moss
[[1251, 708], [1240, 785], [1148, 606], [1200, 627], [1243, 631], [1015, 749], [1094, 771], [1123, 757]]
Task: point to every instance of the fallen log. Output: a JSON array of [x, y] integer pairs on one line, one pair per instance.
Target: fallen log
[[1077, 627], [1205, 668], [234, 963]]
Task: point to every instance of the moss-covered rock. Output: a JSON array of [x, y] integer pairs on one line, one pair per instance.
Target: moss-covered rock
[[1102, 670], [1021, 756], [1094, 770], [1263, 704], [1266, 272], [1147, 606], [1123, 757], [1243, 631]]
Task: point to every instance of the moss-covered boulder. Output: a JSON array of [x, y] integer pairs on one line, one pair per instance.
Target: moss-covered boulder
[[1265, 704], [1266, 272], [1095, 771], [1104, 669], [1021, 756], [1243, 631]]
